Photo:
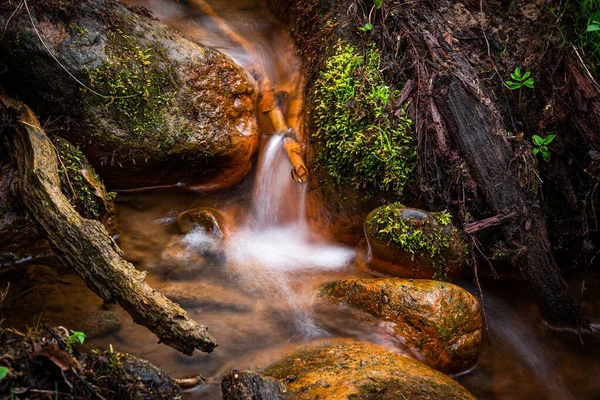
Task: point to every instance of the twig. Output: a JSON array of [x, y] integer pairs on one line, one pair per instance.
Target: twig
[[9, 18], [475, 270], [65, 68], [585, 67]]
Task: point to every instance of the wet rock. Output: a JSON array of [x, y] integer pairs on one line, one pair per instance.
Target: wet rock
[[154, 381], [169, 110], [354, 370], [412, 243], [439, 321], [250, 385], [206, 218]]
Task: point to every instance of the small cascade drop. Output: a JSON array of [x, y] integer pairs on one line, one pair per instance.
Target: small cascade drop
[[275, 244]]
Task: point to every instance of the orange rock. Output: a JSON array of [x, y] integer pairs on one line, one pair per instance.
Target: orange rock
[[439, 321], [355, 370]]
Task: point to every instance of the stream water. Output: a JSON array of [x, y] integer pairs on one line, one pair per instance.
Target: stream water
[[257, 297]]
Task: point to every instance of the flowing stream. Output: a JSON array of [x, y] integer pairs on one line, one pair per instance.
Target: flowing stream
[[257, 295]]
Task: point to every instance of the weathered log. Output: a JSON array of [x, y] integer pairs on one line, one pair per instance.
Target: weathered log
[[252, 386], [85, 246]]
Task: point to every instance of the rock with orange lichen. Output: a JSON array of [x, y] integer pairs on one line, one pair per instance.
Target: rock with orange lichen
[[357, 370], [439, 321]]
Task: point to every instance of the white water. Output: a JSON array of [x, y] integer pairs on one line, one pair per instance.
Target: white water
[[275, 244]]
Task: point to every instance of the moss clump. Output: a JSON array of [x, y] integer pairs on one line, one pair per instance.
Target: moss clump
[[359, 140], [430, 237], [85, 199], [138, 78]]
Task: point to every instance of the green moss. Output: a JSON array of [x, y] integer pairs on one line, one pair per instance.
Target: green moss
[[84, 199], [434, 238], [141, 75], [359, 140]]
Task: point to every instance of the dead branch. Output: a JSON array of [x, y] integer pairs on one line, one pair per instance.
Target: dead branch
[[85, 246], [496, 220]]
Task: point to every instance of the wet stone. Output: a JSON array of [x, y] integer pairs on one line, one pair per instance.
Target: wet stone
[[439, 321], [360, 370]]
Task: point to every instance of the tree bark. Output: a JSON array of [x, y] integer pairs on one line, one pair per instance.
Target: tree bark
[[85, 246]]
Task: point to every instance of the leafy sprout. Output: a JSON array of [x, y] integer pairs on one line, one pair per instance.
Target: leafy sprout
[[541, 146], [3, 372], [520, 80]]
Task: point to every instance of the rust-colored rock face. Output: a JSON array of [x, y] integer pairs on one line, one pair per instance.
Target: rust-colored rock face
[[411, 243], [172, 112], [355, 370], [440, 321]]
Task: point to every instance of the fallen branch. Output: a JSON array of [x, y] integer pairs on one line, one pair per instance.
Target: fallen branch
[[496, 220], [85, 246]]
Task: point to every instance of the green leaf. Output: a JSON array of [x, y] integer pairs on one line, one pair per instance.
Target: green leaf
[[526, 75], [515, 76], [79, 336], [529, 83], [535, 150], [592, 28], [548, 139], [518, 71], [537, 140], [3, 372], [378, 3], [513, 85], [366, 28], [546, 156]]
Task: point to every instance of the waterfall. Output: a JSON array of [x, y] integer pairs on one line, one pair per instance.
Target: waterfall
[[275, 244]]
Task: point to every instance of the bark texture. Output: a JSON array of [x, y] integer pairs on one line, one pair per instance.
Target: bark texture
[[85, 245]]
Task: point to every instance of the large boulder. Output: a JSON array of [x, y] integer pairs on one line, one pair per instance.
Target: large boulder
[[354, 370], [439, 321], [157, 107], [412, 243]]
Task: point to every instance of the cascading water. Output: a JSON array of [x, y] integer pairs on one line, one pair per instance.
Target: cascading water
[[275, 243]]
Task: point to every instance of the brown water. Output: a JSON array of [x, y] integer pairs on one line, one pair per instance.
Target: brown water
[[257, 295]]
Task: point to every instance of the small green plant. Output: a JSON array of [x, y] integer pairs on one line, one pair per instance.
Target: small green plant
[[75, 338], [367, 27], [113, 359], [3, 372], [378, 3], [588, 31], [520, 81], [540, 145]]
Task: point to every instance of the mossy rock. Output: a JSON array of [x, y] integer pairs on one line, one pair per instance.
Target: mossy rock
[[411, 243], [205, 218], [439, 321], [355, 370], [157, 108], [238, 385]]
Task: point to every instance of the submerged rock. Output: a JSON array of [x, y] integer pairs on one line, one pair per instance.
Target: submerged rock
[[238, 385], [411, 243], [206, 218], [163, 109], [354, 370], [440, 321]]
